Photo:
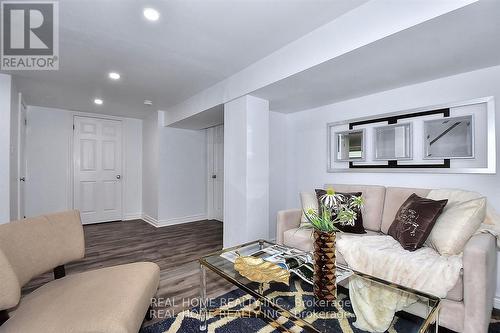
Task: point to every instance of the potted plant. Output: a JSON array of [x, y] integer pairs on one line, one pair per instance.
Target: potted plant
[[334, 209]]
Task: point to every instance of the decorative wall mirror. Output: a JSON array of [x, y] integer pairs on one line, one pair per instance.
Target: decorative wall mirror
[[350, 145], [457, 137], [449, 138], [393, 142]]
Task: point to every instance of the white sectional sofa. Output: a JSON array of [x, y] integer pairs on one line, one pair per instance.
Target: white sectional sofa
[[468, 305]]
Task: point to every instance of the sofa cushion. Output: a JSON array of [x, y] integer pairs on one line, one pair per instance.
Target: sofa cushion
[[10, 290], [374, 202], [107, 300], [36, 245], [394, 198], [308, 201], [302, 239]]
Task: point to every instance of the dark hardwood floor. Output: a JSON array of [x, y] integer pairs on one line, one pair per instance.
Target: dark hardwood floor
[[175, 249]]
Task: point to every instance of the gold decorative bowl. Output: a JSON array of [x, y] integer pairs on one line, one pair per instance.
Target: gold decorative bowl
[[259, 270]]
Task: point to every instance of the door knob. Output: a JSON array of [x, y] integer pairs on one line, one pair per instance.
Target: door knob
[[118, 177], [23, 179]]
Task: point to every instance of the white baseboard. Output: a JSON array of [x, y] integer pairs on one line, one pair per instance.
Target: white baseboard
[[496, 302], [132, 216], [176, 220], [150, 220], [180, 220]]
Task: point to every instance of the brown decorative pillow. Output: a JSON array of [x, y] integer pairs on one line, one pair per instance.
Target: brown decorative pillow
[[357, 228], [414, 221]]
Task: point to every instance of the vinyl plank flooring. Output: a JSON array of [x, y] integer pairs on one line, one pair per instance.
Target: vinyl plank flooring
[[175, 249]]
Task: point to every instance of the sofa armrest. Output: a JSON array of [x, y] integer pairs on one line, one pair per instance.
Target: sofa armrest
[[479, 261], [286, 220]]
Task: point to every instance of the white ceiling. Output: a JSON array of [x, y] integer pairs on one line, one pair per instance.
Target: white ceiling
[[194, 45], [461, 41]]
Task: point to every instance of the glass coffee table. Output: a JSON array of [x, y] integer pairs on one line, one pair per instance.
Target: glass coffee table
[[292, 307]]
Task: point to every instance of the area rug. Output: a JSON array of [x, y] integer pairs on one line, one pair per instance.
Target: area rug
[[188, 321]]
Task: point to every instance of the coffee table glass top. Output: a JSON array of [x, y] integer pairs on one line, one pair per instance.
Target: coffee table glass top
[[295, 303]]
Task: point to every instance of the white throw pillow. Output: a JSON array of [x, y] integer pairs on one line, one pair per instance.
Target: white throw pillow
[[458, 221], [456, 195], [308, 201], [453, 195]]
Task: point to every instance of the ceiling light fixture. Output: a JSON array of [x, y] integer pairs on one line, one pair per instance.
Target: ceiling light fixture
[[98, 101], [114, 76], [151, 14]]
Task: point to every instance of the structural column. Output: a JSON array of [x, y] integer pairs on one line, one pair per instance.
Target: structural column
[[246, 170]]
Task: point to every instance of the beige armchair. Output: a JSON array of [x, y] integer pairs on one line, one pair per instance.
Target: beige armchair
[[107, 300]]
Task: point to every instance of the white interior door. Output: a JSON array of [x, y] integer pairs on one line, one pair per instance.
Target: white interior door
[[216, 172], [21, 159], [97, 169]]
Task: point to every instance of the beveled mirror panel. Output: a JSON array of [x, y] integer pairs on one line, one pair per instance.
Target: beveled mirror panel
[[350, 145], [393, 142], [449, 138]]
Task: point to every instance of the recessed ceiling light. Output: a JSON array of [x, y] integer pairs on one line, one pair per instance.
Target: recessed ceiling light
[[98, 101], [151, 14], [114, 76]]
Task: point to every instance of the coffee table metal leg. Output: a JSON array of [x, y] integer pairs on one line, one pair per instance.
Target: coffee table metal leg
[[203, 298], [437, 322]]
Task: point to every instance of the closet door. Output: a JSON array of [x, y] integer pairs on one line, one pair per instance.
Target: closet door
[[98, 169]]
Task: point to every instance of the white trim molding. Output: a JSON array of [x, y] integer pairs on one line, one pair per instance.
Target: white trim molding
[[132, 216], [172, 221], [150, 220]]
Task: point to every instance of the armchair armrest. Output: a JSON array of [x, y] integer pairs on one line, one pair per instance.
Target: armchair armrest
[[479, 261], [286, 220]]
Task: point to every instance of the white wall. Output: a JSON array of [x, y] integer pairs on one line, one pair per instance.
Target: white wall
[[277, 167], [306, 137], [150, 160], [132, 169], [246, 170], [174, 173], [14, 130], [182, 177], [49, 158], [5, 112], [164, 168]]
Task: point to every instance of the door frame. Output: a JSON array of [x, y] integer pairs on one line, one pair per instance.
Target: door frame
[[21, 163], [210, 157], [71, 173], [210, 132]]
